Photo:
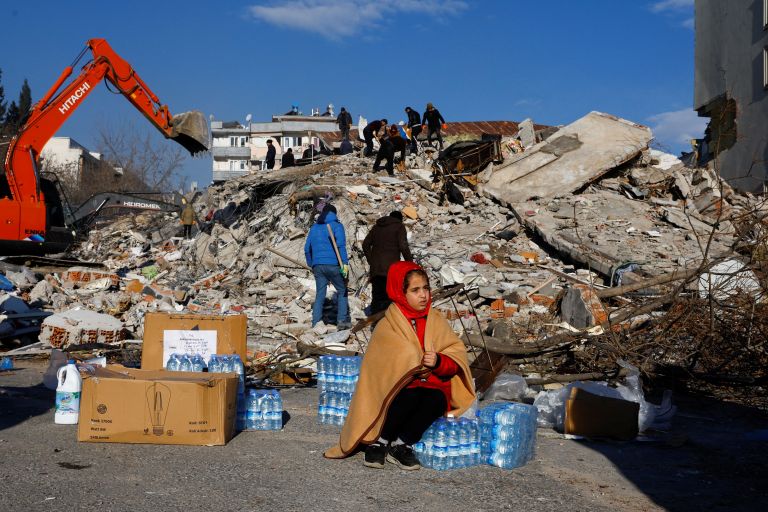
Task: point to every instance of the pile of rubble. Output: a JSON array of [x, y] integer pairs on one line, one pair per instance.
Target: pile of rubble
[[553, 256]]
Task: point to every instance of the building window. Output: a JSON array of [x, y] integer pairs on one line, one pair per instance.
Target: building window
[[765, 14], [765, 67]]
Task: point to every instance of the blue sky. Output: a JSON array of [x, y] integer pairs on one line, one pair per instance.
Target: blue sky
[[475, 60]]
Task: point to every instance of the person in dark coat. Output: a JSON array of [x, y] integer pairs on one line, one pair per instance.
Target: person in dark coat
[[434, 121], [369, 132], [386, 152], [271, 152], [414, 124], [288, 159], [345, 122], [383, 245], [397, 140]]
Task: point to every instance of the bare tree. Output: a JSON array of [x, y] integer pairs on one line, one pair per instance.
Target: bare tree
[[142, 153]]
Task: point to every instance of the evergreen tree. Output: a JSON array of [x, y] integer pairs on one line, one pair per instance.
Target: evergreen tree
[[25, 100], [2, 102], [11, 119]]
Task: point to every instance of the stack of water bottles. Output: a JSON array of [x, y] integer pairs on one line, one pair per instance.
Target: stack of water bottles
[[337, 378], [508, 434], [264, 410], [449, 443], [185, 363], [218, 363]]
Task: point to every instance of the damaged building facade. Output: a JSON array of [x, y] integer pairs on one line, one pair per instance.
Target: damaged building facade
[[239, 149], [731, 87]]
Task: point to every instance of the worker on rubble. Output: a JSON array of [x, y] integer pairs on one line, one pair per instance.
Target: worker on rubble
[[435, 122], [188, 218], [414, 124], [288, 159], [385, 243], [326, 254], [345, 122], [386, 152], [398, 142], [372, 130], [271, 153], [414, 370]]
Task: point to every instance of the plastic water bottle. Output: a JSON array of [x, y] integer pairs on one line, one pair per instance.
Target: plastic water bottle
[[198, 363], [453, 442], [440, 448], [174, 363], [6, 364], [68, 394], [465, 445], [186, 363], [253, 413], [277, 410]]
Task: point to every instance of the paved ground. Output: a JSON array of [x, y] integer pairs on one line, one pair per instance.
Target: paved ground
[[44, 468]]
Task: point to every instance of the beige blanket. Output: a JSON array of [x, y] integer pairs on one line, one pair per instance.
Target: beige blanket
[[392, 360]]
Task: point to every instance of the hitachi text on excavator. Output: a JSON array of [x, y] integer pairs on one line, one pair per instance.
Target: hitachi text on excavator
[[33, 217]]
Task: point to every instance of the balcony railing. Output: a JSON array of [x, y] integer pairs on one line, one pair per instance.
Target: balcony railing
[[231, 152], [228, 175]]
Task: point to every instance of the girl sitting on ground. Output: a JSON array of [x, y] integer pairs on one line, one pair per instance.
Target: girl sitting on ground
[[414, 370]]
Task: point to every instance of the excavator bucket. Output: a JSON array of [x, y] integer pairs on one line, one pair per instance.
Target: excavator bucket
[[190, 129]]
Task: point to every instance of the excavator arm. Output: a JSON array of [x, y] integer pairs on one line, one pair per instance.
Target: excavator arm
[[24, 213]]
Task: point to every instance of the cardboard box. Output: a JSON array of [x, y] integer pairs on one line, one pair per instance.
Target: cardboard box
[[590, 415], [124, 405], [166, 333]]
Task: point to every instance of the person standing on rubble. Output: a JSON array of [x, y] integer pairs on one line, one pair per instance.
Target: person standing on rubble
[[188, 218], [370, 131], [288, 159], [345, 122], [320, 252], [414, 124], [271, 152], [434, 121], [386, 152], [383, 245], [398, 142], [414, 371]]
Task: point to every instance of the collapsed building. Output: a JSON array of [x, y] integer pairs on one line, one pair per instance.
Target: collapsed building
[[560, 251]]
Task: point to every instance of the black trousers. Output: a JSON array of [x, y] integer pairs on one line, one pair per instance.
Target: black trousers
[[386, 152], [415, 131], [344, 132], [435, 131], [379, 298], [411, 413], [187, 230]]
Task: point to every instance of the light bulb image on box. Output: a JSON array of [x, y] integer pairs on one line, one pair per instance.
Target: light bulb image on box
[[158, 400]]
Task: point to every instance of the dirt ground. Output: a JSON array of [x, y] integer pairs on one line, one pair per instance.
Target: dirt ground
[[708, 462]]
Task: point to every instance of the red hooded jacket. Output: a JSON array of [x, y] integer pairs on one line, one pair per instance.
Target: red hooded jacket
[[446, 368]]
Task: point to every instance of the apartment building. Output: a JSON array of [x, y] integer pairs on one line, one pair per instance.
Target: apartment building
[[731, 87]]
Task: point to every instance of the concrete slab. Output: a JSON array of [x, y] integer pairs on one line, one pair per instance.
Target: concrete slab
[[603, 230], [575, 155]]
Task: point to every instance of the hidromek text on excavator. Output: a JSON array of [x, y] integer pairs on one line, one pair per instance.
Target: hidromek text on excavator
[[32, 217]]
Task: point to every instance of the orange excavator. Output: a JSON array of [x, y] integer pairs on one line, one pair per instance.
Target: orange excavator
[[33, 218]]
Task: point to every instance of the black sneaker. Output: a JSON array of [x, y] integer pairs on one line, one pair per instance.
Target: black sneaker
[[375, 455], [402, 455]]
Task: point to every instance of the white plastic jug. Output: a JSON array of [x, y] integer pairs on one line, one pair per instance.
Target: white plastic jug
[[68, 394]]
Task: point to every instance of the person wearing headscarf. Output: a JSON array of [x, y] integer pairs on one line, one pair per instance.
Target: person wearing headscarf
[[414, 371]]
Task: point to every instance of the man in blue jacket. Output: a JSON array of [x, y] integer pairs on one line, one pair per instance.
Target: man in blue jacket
[[321, 257]]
